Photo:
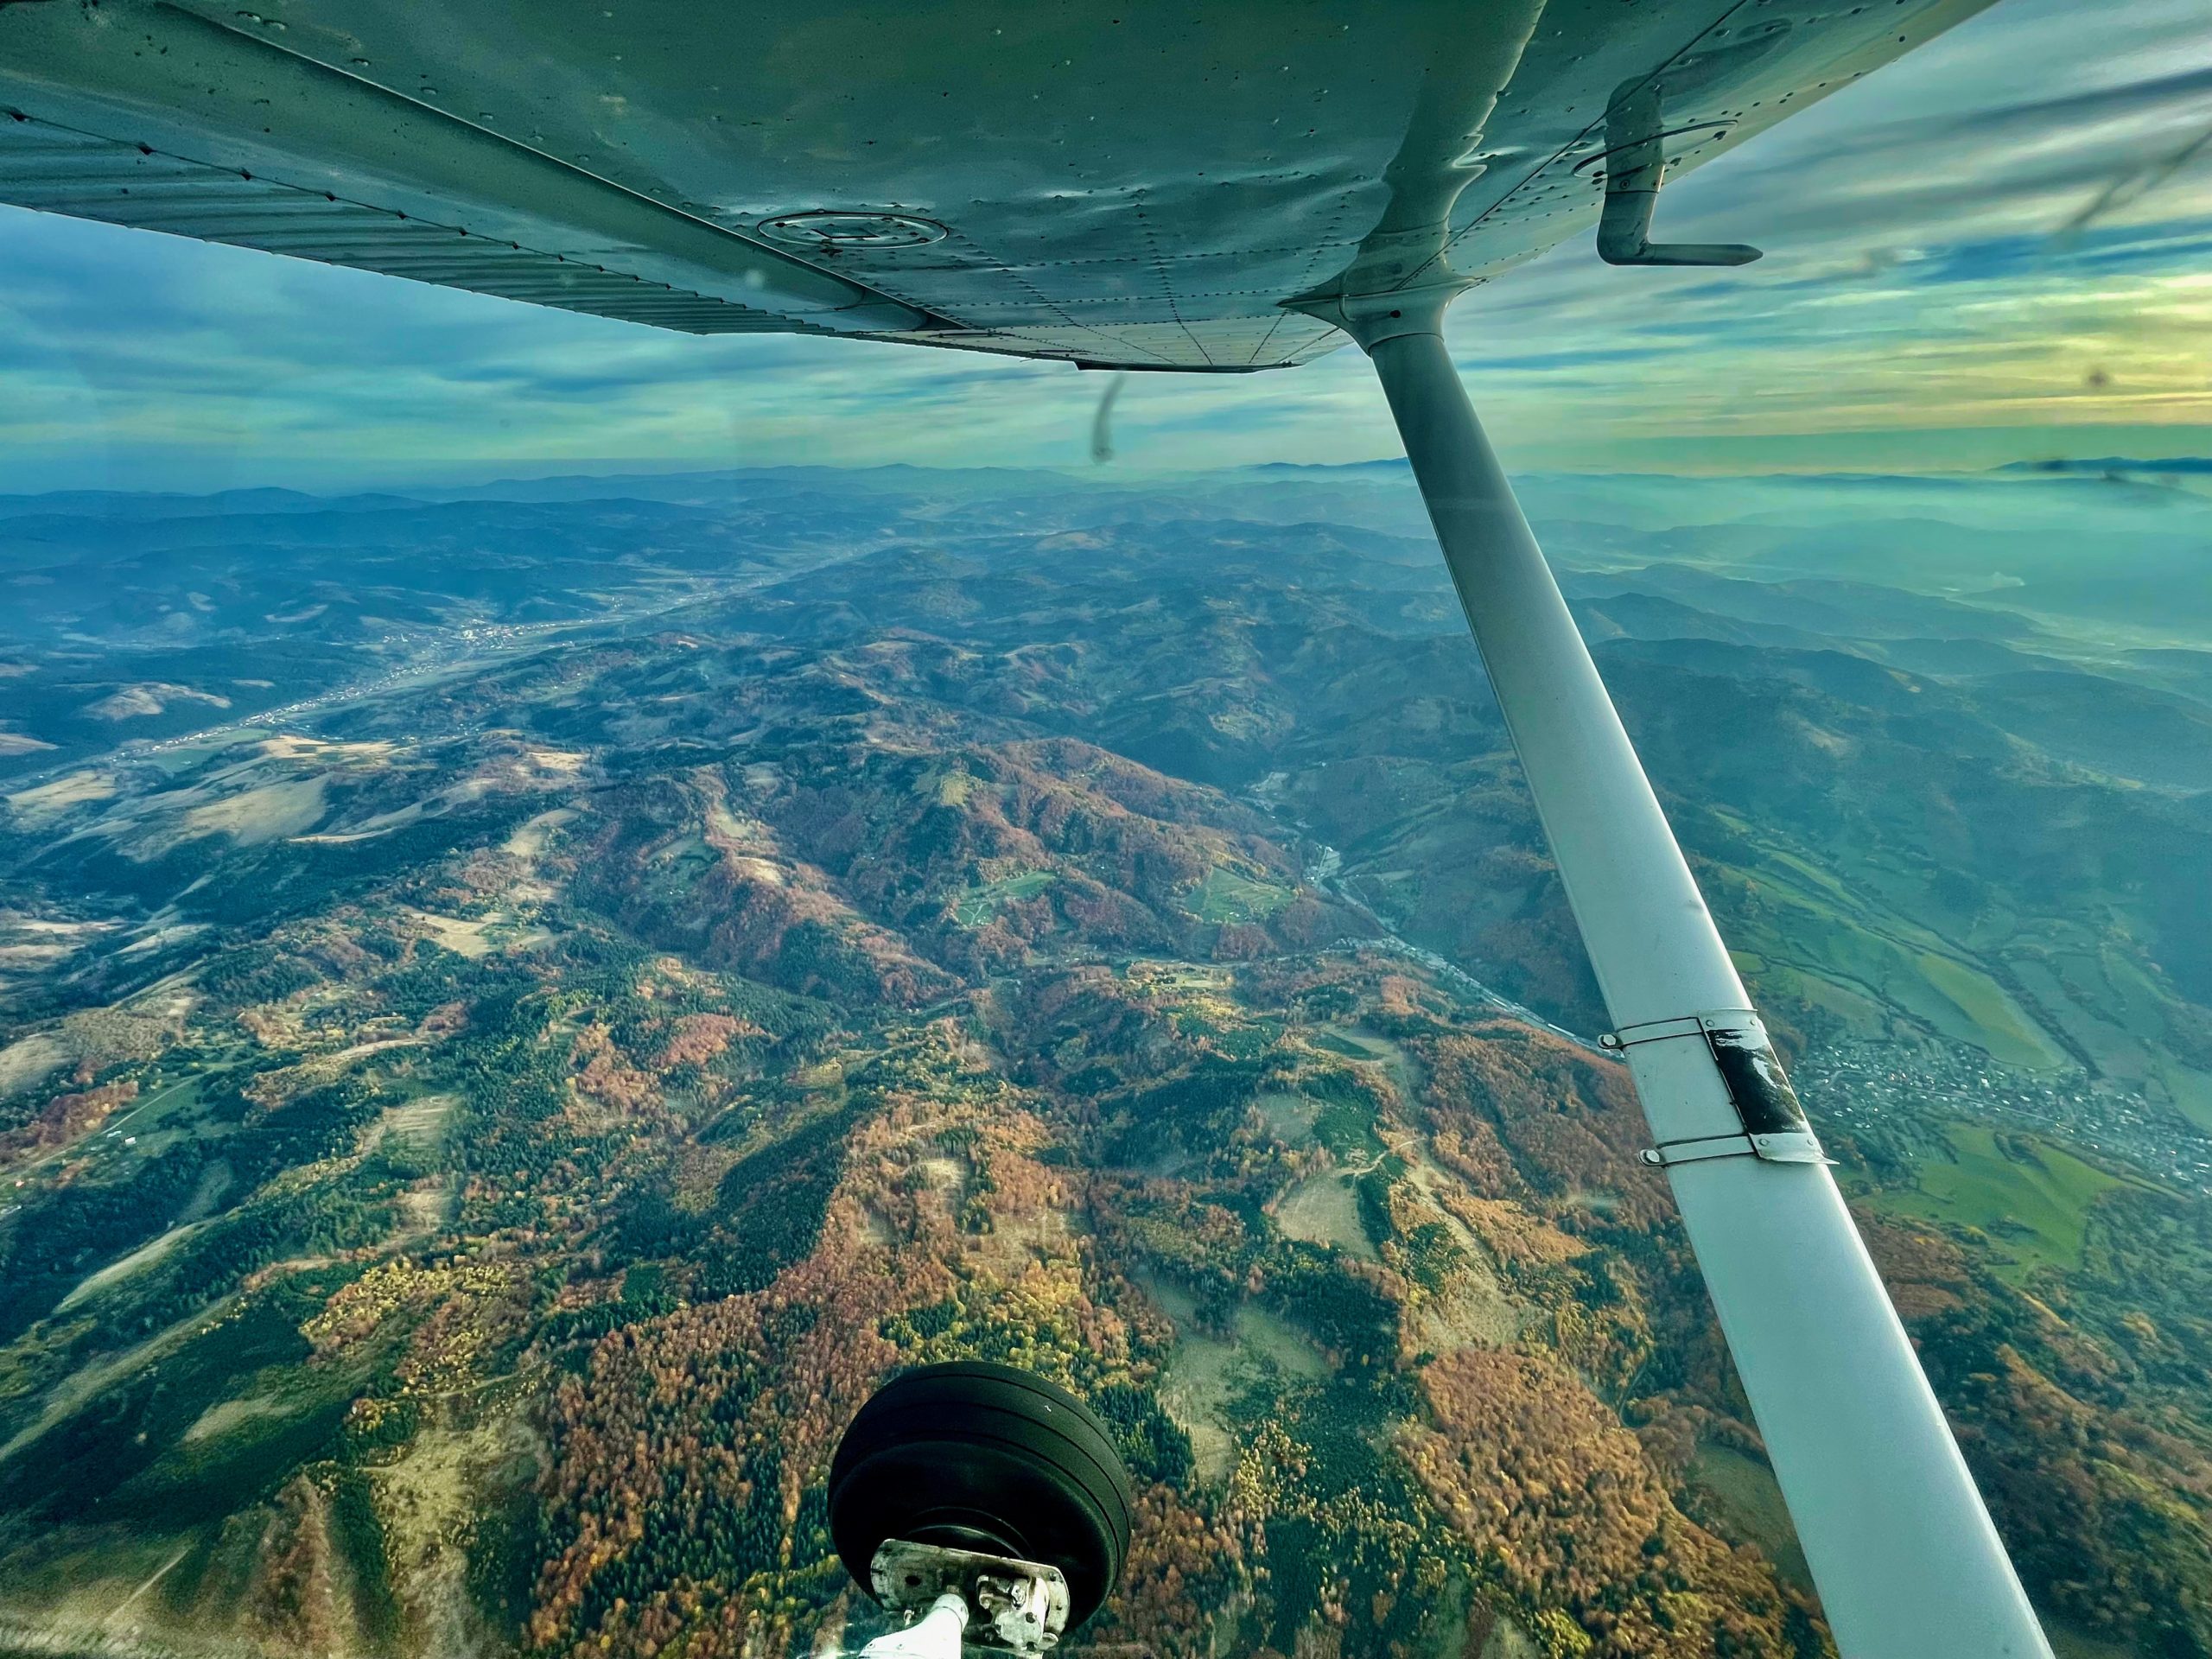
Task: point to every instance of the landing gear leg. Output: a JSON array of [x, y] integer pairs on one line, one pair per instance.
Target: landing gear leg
[[1907, 1562], [936, 1635]]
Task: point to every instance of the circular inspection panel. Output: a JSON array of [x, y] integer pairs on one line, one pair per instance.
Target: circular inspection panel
[[827, 230]]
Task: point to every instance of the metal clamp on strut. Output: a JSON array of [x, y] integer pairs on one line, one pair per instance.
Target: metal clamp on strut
[[1774, 1126]]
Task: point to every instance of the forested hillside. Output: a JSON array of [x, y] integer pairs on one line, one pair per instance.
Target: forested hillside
[[516, 1015]]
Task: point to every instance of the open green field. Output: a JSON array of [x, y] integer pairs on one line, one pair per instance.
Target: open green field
[[1748, 1507], [2005, 1029], [1225, 896], [1888, 960], [2030, 1197], [1836, 944], [978, 904]]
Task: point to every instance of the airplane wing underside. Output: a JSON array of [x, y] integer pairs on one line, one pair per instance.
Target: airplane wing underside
[[1143, 187]]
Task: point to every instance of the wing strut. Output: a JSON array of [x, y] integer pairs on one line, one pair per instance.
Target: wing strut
[[1907, 1562]]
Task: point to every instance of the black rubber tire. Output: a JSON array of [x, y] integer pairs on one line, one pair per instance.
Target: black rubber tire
[[988, 1458]]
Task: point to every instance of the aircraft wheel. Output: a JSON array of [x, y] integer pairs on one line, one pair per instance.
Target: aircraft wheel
[[980, 1457]]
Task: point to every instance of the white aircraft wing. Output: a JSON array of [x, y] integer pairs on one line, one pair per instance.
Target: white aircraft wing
[[1138, 186]]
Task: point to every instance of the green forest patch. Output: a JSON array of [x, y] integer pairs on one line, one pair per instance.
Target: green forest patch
[[2029, 1197], [1349, 1112], [128, 1455]]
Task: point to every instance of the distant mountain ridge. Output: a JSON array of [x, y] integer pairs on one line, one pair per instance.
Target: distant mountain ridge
[[2180, 464]]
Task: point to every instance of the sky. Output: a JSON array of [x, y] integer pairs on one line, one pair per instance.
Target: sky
[[1997, 249]]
